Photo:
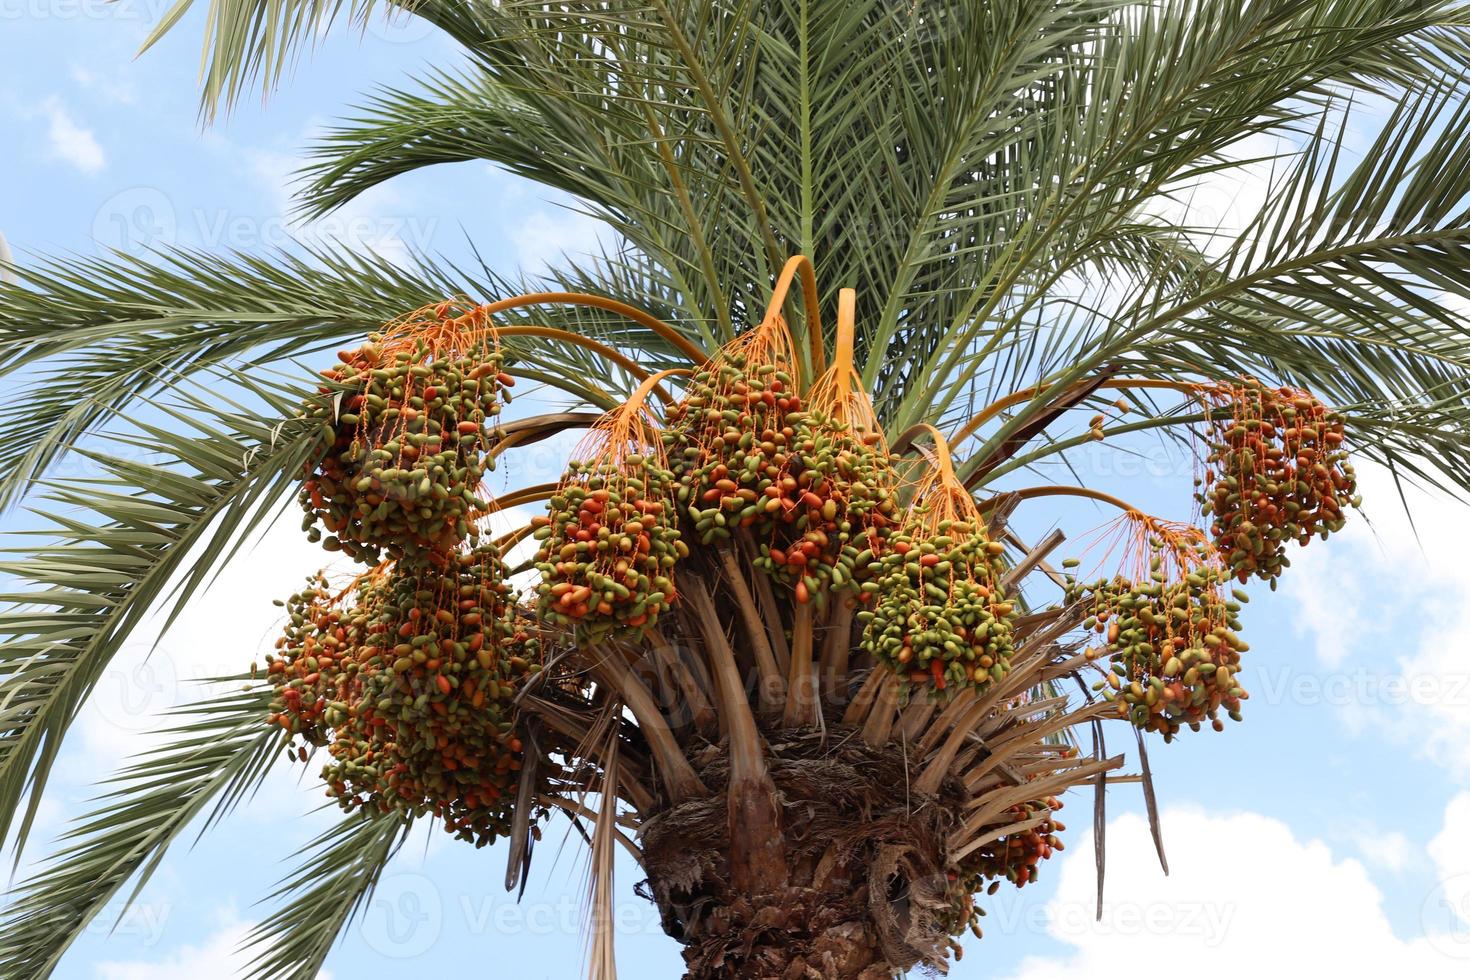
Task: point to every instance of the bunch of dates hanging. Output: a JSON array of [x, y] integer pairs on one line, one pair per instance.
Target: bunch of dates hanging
[[608, 546], [815, 490], [727, 438], [1277, 472], [410, 425], [941, 620], [413, 701], [1171, 640], [829, 501]]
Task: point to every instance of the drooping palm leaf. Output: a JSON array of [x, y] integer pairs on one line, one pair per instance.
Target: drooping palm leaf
[[85, 338], [134, 543], [206, 766], [1342, 284], [335, 877]]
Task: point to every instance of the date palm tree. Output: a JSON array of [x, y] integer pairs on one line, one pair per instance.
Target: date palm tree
[[992, 203]]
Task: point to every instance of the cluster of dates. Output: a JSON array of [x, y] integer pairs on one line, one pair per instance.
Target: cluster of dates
[[940, 619], [1277, 472], [409, 436], [728, 439], [815, 490], [1171, 640], [608, 546], [1017, 857], [833, 500], [408, 680], [407, 677]]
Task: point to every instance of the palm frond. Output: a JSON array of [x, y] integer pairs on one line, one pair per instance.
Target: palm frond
[[219, 756], [449, 119], [247, 43], [334, 877], [133, 543], [86, 338]]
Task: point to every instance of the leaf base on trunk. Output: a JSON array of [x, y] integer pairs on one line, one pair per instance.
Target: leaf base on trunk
[[865, 890]]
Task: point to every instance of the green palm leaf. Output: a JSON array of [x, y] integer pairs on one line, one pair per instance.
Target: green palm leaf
[[335, 878], [138, 541], [86, 338], [207, 765]]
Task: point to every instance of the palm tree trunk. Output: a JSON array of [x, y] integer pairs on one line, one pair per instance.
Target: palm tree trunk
[[861, 894], [831, 941]]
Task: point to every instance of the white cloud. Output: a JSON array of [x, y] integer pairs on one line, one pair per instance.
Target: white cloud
[[1380, 604], [1213, 209], [1388, 849], [116, 88], [1378, 848], [1456, 303], [546, 235], [1246, 897], [70, 142], [1450, 851], [217, 957]]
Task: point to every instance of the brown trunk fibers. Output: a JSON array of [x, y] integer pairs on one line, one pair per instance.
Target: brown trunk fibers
[[862, 887]]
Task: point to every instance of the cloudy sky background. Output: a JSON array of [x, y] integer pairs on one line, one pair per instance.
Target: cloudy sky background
[[1329, 832]]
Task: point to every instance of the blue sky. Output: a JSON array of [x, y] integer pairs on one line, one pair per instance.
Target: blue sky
[[1331, 831]]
